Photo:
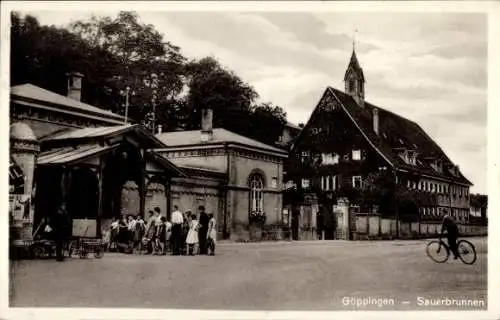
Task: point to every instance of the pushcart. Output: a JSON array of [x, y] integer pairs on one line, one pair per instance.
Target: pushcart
[[82, 247]]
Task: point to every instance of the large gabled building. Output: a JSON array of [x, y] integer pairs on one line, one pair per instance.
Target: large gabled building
[[347, 139]]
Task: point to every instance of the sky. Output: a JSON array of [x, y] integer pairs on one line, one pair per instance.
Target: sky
[[428, 67]]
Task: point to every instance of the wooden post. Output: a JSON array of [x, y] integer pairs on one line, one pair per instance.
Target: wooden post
[[168, 197], [99, 197], [142, 187], [63, 185]]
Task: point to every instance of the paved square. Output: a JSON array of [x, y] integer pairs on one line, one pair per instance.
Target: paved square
[[319, 275]]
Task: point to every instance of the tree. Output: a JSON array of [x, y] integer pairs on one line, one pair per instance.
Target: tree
[[382, 190], [151, 67], [212, 86], [267, 122], [43, 55]]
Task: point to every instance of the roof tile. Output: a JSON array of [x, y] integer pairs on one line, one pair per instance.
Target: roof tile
[[396, 131]]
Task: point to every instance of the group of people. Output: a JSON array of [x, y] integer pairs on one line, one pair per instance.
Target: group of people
[[184, 234]]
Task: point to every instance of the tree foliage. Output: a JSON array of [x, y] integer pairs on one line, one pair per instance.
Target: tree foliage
[[116, 53]]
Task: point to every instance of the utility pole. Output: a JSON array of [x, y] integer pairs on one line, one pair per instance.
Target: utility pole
[[153, 125], [127, 92]]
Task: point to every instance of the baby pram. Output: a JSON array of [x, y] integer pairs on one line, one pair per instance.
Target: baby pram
[[43, 245]]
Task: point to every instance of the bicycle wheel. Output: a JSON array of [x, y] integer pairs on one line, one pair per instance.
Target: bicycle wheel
[[437, 251], [466, 252]]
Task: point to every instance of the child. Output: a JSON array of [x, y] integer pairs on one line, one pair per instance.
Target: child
[[211, 234], [168, 235], [140, 229], [161, 236], [113, 237], [192, 237]]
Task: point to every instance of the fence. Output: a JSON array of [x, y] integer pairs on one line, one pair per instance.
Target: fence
[[373, 226]]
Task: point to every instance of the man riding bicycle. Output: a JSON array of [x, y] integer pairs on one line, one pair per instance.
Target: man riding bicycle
[[452, 233]]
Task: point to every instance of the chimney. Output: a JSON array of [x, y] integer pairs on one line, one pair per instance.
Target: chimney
[[375, 120], [75, 85], [206, 124]]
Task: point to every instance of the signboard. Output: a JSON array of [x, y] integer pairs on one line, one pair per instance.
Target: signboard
[[20, 217], [20, 207], [86, 228]]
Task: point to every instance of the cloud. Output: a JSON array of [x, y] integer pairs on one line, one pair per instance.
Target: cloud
[[428, 67], [309, 29]]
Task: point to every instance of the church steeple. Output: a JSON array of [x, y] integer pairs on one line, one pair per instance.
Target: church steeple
[[355, 80]]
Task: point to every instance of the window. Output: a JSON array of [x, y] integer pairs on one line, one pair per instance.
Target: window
[[352, 85], [274, 182], [328, 183], [290, 185], [356, 155], [304, 155], [357, 182], [328, 158], [336, 158], [256, 193], [306, 183]]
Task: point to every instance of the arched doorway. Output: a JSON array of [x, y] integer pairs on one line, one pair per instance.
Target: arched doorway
[[156, 194], [122, 182]]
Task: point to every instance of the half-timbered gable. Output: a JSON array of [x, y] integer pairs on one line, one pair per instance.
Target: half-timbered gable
[[347, 138], [331, 149]]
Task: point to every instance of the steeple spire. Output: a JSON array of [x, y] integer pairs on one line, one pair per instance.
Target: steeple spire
[[354, 78]]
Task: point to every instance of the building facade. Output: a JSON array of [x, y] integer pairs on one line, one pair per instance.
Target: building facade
[[348, 140], [236, 177], [67, 153]]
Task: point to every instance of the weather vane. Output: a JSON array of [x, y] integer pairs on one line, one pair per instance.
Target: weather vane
[[354, 39]]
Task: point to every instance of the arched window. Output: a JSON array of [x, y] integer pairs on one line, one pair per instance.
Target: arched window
[[256, 193]]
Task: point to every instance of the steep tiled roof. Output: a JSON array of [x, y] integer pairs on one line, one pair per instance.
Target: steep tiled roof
[[32, 92], [190, 138], [398, 132], [148, 140]]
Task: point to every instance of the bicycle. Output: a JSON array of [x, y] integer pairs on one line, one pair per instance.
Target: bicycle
[[439, 251]]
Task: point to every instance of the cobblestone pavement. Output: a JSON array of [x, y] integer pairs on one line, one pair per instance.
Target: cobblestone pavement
[[319, 275]]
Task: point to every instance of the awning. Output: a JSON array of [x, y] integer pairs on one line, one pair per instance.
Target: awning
[[70, 155]]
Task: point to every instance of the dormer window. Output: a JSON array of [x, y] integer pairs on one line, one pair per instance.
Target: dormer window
[[411, 157]]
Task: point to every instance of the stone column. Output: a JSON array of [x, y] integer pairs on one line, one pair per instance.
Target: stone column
[[342, 210], [24, 150]]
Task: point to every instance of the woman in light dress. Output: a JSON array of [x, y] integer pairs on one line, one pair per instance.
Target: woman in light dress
[[192, 237], [211, 234]]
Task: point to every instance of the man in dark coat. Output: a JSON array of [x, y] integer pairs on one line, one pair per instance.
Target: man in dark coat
[[202, 233], [452, 233], [61, 224]]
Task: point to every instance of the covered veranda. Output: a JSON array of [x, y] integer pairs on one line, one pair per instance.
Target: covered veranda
[[101, 173]]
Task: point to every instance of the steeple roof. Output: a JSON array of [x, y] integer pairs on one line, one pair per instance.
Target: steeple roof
[[354, 66]]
